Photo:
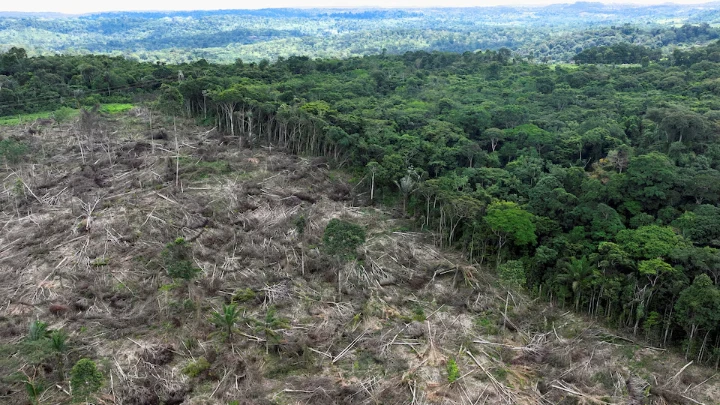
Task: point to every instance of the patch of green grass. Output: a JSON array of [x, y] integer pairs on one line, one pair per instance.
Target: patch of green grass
[[418, 314], [23, 118], [100, 261], [628, 351], [500, 373], [486, 325], [61, 114], [116, 108], [283, 366]]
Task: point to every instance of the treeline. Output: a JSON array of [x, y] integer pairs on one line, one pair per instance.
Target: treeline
[[622, 53], [595, 186], [48, 83]]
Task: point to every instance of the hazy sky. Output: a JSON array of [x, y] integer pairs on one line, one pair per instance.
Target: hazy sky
[[84, 6]]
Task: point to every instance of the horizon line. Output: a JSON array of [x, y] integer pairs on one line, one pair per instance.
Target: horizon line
[[636, 3]]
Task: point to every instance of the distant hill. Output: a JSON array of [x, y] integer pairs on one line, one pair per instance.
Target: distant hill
[[554, 33]]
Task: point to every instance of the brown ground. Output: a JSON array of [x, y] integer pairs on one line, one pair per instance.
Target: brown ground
[[83, 223]]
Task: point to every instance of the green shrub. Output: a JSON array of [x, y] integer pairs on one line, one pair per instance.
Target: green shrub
[[452, 370], [270, 327], [64, 113], [341, 238], [12, 151], [244, 295], [226, 319], [195, 368], [418, 314], [512, 273], [34, 390], [177, 260], [300, 223], [38, 330], [85, 380]]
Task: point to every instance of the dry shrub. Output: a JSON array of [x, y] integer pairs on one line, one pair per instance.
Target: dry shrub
[[159, 355], [140, 393], [325, 391], [217, 238], [456, 299], [339, 192], [298, 174], [243, 376], [694, 375], [11, 327], [392, 393], [320, 266], [559, 359], [307, 197]]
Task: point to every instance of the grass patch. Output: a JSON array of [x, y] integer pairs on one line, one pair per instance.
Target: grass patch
[[116, 108], [24, 118], [61, 114]]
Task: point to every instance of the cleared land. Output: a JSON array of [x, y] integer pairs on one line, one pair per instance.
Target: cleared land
[[85, 220]]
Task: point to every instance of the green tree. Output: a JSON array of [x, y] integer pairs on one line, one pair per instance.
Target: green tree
[[85, 380], [508, 221], [177, 260], [576, 274], [341, 238], [650, 179], [170, 100], [698, 310], [59, 345], [648, 242], [270, 327]]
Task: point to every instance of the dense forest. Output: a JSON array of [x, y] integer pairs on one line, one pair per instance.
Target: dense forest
[[595, 186], [553, 33]]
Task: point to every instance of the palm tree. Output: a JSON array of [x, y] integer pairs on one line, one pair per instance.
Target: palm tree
[[406, 185], [58, 341], [576, 273], [226, 319]]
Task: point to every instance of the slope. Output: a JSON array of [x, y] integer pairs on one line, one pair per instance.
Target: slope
[[103, 209]]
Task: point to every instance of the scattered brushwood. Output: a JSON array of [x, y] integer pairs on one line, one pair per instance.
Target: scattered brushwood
[[192, 271]]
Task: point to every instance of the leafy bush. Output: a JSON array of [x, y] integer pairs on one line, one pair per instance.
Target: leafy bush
[[177, 260], [85, 380], [512, 273], [12, 151], [195, 368], [64, 113], [300, 223], [341, 238], [244, 295]]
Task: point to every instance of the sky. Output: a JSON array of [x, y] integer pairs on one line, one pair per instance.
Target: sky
[[85, 6]]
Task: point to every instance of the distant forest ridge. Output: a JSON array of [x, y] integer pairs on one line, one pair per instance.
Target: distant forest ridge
[[554, 33]]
